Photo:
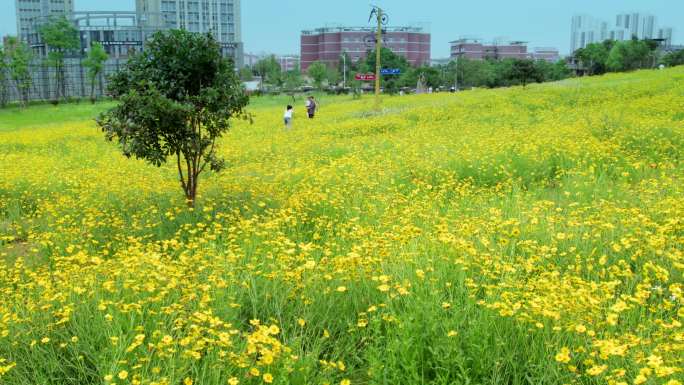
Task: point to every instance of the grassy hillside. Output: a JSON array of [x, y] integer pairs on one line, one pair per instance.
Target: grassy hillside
[[490, 237]]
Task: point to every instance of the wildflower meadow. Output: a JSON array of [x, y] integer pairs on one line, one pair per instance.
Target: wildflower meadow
[[513, 236]]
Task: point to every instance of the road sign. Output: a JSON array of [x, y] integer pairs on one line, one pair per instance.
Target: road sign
[[390, 71], [365, 77]]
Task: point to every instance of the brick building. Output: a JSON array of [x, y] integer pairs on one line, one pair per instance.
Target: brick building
[[477, 50], [328, 44]]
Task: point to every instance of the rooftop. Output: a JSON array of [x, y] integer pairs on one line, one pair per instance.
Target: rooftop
[[480, 41], [322, 30]]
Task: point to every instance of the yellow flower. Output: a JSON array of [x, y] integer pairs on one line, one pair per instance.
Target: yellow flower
[[446, 305], [254, 372], [123, 375], [268, 378], [233, 381], [580, 328], [563, 356], [341, 289], [301, 322], [345, 382], [45, 340], [187, 381], [384, 287], [108, 378], [452, 333], [596, 370]]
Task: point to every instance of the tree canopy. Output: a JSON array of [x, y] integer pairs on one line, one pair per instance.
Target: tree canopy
[[269, 70], [318, 72], [176, 100], [617, 56], [60, 36], [19, 56], [94, 64]]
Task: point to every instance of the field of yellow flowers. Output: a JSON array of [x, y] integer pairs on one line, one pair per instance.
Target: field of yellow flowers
[[514, 236]]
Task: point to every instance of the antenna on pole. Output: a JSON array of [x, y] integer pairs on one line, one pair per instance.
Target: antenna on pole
[[381, 19]]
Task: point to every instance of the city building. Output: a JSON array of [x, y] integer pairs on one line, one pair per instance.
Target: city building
[[120, 33], [549, 54], [288, 62], [250, 59], [665, 34], [586, 29], [220, 17], [328, 44], [642, 26], [440, 61], [475, 49], [28, 10]]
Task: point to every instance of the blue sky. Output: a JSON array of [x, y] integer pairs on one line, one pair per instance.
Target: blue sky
[[274, 25]]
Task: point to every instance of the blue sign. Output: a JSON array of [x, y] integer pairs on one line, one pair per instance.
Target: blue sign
[[390, 71]]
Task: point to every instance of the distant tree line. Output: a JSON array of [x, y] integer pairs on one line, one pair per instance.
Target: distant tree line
[[464, 73], [620, 56], [60, 38]]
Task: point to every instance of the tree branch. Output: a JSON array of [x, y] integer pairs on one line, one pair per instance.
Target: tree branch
[[180, 172], [211, 151]]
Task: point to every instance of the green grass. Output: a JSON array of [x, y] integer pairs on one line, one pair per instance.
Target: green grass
[[447, 239]]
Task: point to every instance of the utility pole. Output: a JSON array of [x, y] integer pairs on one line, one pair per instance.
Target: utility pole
[[456, 84], [378, 65], [344, 70]]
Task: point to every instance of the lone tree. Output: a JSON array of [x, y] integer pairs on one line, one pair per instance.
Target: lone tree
[[269, 70], [176, 99], [4, 78], [318, 72], [20, 56], [95, 65], [60, 36]]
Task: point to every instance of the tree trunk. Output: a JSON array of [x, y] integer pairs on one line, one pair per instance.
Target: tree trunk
[[92, 91]]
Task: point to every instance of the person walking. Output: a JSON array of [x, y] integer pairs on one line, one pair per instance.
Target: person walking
[[311, 107], [287, 117]]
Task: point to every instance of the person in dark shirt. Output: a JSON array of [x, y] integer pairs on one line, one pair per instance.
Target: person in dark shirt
[[311, 107]]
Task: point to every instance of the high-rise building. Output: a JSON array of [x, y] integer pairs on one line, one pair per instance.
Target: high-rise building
[[328, 44], [222, 18], [640, 25], [28, 10], [666, 35], [586, 29]]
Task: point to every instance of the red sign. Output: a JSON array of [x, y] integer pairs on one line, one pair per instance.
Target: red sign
[[365, 77]]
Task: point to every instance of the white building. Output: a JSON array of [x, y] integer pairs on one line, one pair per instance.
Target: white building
[[220, 17], [586, 29], [640, 25], [287, 62], [28, 10], [666, 34]]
